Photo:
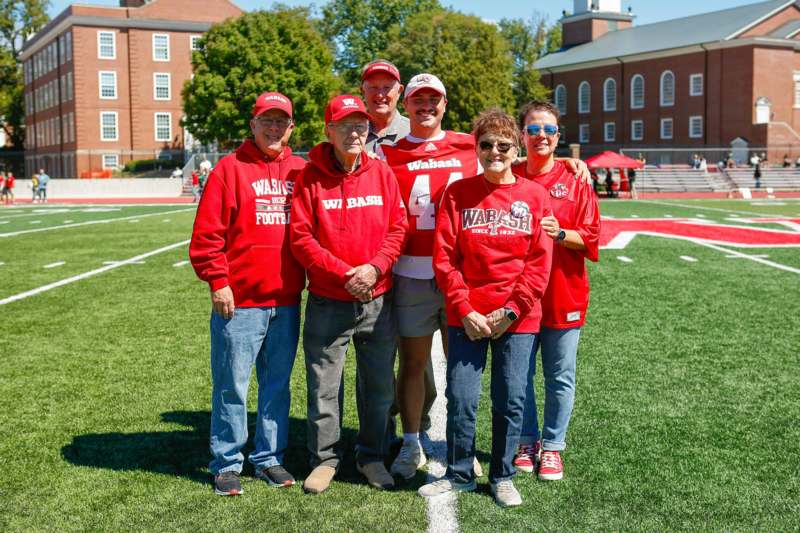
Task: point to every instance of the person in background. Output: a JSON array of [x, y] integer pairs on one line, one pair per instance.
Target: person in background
[[8, 189], [34, 187], [787, 161], [195, 186], [44, 179]]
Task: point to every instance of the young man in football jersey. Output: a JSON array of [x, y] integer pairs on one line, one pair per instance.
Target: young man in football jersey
[[240, 247], [574, 227]]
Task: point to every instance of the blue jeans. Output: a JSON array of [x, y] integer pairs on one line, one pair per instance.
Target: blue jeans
[[465, 363], [266, 337], [559, 356]]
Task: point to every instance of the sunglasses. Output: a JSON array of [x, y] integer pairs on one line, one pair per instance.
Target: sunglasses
[[502, 147], [536, 129]]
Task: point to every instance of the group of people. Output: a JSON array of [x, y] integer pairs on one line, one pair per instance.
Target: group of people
[[39, 183], [401, 229]]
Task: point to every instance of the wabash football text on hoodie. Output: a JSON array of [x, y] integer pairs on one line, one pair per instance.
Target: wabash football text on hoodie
[[241, 230], [340, 221]]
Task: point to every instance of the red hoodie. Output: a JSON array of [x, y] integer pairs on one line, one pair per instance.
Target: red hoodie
[[241, 230], [342, 220]]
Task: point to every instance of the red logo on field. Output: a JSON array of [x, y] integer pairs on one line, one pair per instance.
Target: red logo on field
[[617, 233]]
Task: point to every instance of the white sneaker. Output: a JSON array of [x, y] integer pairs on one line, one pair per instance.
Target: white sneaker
[[505, 494], [445, 486], [476, 468], [408, 460]]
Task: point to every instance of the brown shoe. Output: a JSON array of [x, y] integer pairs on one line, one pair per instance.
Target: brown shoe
[[377, 475], [319, 479]]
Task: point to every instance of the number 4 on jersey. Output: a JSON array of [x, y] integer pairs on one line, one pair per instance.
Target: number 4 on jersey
[[419, 202]]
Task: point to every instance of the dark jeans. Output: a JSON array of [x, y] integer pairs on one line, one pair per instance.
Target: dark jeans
[[465, 363], [329, 326]]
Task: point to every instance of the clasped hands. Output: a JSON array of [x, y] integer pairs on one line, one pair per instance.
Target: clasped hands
[[362, 280], [493, 325]]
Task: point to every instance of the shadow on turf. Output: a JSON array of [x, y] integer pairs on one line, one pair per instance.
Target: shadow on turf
[[184, 453]]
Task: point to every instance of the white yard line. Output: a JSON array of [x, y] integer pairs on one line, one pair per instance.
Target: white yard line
[[73, 279], [763, 256], [1, 263], [442, 516], [625, 259], [90, 222], [126, 262], [687, 206], [35, 222], [689, 258], [3, 221], [56, 264], [180, 263], [67, 222], [755, 258]]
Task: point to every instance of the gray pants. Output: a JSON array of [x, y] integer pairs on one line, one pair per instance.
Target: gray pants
[[329, 326]]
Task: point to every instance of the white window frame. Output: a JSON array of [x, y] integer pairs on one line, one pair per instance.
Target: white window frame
[[584, 129], [114, 165], [100, 84], [156, 36], [562, 91], [662, 101], [155, 86], [584, 86], [692, 79], [192, 46], [613, 137], [692, 121], [113, 35], [609, 105], [116, 126], [796, 78], [155, 126], [662, 134], [634, 105], [634, 125]]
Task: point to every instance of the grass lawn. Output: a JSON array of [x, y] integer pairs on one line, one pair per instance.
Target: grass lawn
[[685, 418]]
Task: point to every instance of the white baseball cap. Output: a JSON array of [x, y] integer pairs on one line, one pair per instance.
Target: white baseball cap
[[425, 81]]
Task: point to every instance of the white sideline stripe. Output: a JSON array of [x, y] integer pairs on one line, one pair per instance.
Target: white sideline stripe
[[755, 258], [625, 259], [73, 279], [752, 255], [689, 258], [56, 264], [89, 222], [670, 204], [128, 262], [180, 263], [442, 517]]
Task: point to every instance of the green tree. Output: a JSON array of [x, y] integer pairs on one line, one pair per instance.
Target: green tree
[[358, 30], [470, 57], [529, 40], [276, 50], [18, 20]]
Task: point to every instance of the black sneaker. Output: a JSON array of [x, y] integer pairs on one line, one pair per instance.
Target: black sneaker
[[228, 484], [276, 476]]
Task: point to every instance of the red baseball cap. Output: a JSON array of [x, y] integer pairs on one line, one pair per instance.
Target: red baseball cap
[[272, 100], [344, 105], [379, 66]]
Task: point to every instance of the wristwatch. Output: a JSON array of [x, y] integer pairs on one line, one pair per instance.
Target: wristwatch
[[561, 236], [377, 270], [510, 314]]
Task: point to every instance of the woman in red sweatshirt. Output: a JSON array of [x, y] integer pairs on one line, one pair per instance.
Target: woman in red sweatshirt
[[491, 260]]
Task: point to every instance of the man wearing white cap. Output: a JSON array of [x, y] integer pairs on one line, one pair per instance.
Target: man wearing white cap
[[240, 247]]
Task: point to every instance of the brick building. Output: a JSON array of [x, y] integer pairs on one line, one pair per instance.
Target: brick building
[[730, 76], [103, 84]]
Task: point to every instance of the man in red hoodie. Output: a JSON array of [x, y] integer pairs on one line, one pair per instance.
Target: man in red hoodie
[[240, 247], [348, 227]]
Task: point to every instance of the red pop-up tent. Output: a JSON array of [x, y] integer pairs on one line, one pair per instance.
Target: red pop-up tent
[[610, 159]]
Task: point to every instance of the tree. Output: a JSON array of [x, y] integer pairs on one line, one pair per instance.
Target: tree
[[276, 50], [18, 20], [358, 30], [469, 56]]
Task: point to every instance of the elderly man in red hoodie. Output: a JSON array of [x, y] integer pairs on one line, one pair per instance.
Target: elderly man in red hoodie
[[348, 228], [240, 247]]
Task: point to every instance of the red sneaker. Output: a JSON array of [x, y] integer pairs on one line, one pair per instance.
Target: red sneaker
[[527, 457], [551, 467]]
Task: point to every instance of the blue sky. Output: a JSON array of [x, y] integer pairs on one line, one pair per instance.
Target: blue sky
[[646, 11]]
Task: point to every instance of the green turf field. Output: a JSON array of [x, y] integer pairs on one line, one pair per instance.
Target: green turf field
[[686, 414]]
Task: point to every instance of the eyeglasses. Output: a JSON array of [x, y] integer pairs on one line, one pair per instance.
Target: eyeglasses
[[346, 127], [502, 147], [270, 122], [536, 129]]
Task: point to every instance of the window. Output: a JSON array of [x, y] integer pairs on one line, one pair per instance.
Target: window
[[69, 86], [61, 49], [610, 131], [106, 45], [58, 129], [68, 42], [696, 85], [108, 85], [696, 127], [637, 91], [560, 98], [110, 161], [71, 127], [610, 95], [637, 130], [667, 89], [194, 42], [160, 47], [584, 97], [161, 86], [797, 89], [108, 126], [583, 133], [163, 127], [666, 128]]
